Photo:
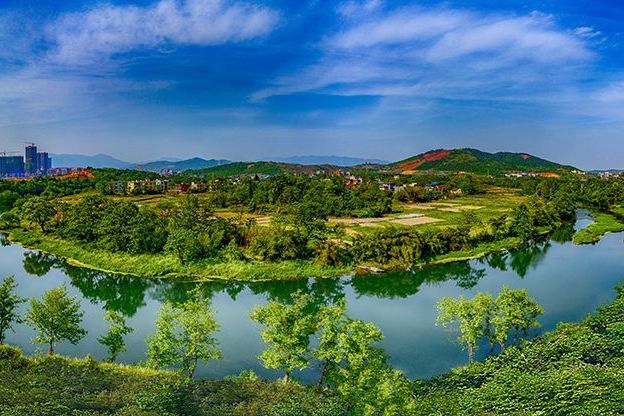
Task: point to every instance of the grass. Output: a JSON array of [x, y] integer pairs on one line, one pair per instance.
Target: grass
[[603, 224], [60, 386]]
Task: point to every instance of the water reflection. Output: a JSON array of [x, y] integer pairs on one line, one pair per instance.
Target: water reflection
[[402, 304], [39, 264], [126, 294]]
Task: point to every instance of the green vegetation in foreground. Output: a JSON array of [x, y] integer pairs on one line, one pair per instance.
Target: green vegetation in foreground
[[168, 265], [58, 386], [603, 224], [575, 370]]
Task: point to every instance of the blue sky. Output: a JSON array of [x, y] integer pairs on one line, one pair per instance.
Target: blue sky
[[248, 79]]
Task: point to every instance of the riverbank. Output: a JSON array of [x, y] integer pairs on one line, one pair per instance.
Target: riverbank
[[164, 266], [602, 224]]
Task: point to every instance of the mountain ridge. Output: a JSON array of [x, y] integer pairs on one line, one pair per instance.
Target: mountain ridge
[[476, 161]]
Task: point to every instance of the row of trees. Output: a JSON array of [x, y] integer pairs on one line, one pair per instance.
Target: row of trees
[[184, 333], [501, 321]]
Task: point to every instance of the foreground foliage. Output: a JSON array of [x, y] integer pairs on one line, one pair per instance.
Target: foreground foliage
[[575, 370], [57, 386]]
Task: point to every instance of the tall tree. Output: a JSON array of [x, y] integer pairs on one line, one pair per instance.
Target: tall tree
[[332, 323], [39, 211], [114, 337], [516, 314], [9, 302], [288, 331], [184, 335], [469, 314], [56, 317]]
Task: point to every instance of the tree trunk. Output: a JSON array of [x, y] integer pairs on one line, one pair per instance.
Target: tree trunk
[[471, 352], [323, 373], [492, 345], [51, 349], [287, 377], [502, 345]]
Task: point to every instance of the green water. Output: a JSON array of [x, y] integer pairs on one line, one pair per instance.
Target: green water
[[568, 281]]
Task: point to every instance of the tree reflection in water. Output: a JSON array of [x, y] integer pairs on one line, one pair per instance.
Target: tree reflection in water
[[127, 294], [39, 264]]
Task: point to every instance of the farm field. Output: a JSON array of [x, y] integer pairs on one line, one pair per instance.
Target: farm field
[[494, 203]]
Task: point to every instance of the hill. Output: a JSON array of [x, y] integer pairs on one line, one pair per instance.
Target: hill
[[188, 164], [263, 168], [327, 160], [476, 161], [82, 161]]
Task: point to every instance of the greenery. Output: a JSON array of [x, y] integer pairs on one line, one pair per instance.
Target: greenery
[[575, 370], [289, 328], [9, 302], [473, 160], [283, 227], [56, 317], [58, 386], [184, 335], [603, 224], [114, 337]]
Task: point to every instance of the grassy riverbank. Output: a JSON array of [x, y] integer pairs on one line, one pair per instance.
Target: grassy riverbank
[[602, 225], [168, 266]]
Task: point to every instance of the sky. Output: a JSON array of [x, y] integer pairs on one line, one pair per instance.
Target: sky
[[245, 79]]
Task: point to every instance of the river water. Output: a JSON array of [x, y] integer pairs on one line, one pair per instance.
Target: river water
[[569, 281]]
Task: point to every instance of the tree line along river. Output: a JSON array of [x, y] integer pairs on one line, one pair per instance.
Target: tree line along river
[[568, 280]]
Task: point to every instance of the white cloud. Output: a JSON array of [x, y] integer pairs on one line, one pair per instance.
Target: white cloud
[[586, 32], [441, 52], [612, 94], [108, 29]]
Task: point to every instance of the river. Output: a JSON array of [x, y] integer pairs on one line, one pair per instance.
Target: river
[[569, 281]]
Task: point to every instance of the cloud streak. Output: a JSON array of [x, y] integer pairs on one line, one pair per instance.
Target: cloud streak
[[444, 52], [108, 30]]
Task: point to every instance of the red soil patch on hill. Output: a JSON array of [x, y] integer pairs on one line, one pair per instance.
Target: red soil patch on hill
[[428, 157]]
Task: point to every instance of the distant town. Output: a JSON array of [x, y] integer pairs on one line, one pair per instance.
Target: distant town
[[33, 163]]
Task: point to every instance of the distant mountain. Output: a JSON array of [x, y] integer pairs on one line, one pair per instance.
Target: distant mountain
[[106, 161], [264, 168], [476, 161], [83, 161], [327, 160], [188, 164]]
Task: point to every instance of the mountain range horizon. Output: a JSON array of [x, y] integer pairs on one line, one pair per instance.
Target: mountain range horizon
[[458, 155]]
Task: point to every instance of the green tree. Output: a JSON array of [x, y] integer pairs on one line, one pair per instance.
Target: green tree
[[522, 224], [184, 335], [516, 313], [39, 211], [288, 332], [332, 322], [469, 314], [114, 337], [56, 317], [9, 302]]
